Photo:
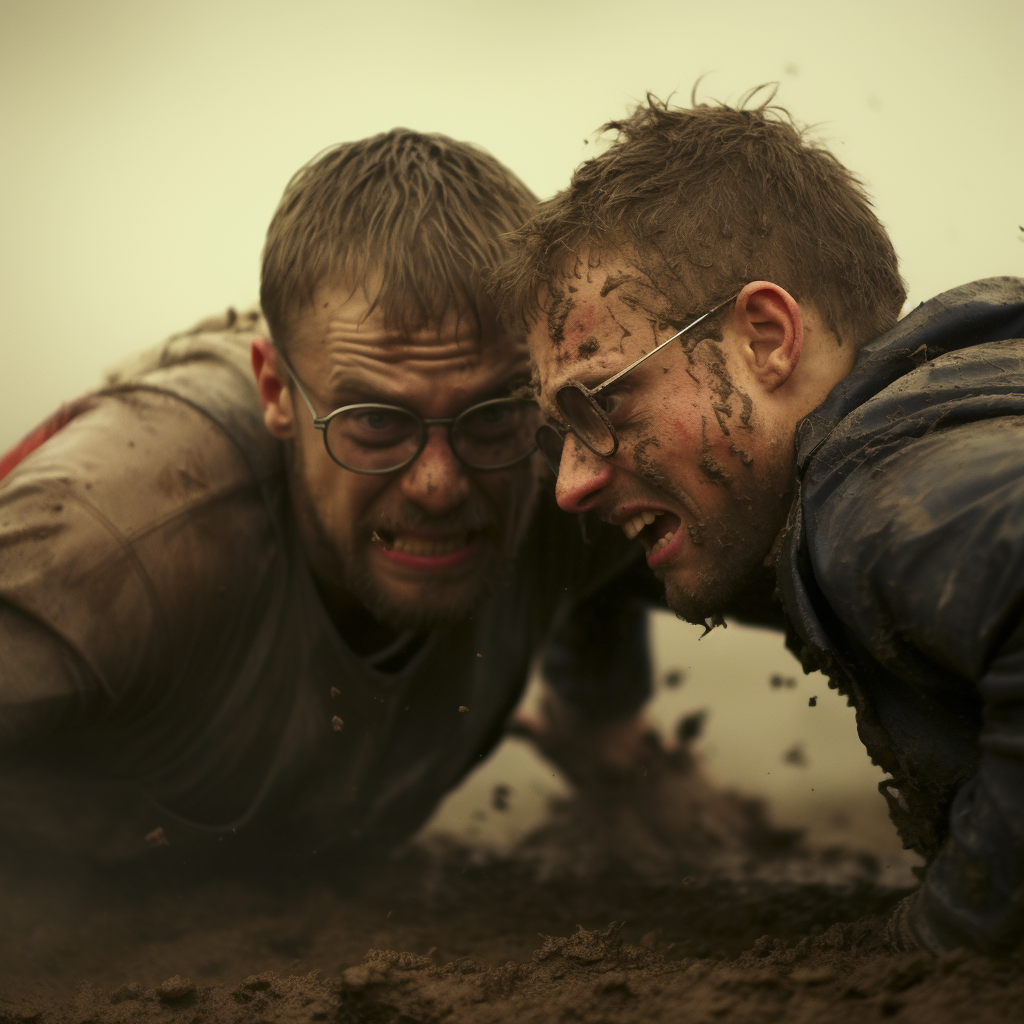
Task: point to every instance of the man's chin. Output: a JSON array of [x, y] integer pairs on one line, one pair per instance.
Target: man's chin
[[426, 607], [421, 597], [706, 598]]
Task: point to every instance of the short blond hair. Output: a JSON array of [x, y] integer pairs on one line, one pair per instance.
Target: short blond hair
[[419, 216]]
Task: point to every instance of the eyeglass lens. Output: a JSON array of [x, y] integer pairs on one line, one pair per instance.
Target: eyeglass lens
[[376, 439], [495, 434], [584, 420], [372, 438]]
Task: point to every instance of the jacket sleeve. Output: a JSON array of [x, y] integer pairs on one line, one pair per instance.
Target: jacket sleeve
[[973, 893], [921, 554]]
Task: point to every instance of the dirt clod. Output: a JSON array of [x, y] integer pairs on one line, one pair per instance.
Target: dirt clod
[[581, 923], [130, 990], [176, 990]]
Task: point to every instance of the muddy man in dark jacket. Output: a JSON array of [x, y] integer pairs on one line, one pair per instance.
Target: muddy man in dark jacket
[[795, 453]]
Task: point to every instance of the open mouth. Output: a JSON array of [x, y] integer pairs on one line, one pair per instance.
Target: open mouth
[[656, 530], [415, 551]]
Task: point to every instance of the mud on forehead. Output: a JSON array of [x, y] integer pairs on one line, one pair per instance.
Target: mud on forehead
[[620, 288]]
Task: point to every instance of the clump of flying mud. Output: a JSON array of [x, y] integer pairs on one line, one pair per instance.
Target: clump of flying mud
[[643, 898]]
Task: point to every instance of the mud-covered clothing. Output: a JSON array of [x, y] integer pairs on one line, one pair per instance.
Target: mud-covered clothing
[[167, 658], [903, 575]]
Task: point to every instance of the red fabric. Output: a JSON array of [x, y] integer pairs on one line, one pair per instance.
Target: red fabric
[[32, 440]]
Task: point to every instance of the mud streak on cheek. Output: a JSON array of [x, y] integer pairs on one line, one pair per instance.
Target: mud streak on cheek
[[746, 410], [743, 456], [712, 469], [641, 459]]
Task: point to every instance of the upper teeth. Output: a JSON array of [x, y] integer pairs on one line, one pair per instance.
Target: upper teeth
[[633, 526], [429, 548]]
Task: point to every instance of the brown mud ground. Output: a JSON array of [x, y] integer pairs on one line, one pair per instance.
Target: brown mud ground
[[446, 934]]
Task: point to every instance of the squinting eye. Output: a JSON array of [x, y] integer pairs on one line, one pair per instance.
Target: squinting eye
[[372, 426], [379, 420], [493, 414], [608, 401]]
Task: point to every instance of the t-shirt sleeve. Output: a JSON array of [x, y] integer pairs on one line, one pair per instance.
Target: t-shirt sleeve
[[921, 553], [43, 682]]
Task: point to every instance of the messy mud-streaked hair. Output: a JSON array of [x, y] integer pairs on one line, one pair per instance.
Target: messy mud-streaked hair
[[704, 200], [417, 219]]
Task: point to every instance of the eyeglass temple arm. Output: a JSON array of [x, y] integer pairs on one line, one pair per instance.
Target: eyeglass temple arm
[[298, 383], [667, 341]]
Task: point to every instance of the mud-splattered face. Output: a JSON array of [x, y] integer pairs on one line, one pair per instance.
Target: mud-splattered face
[[421, 545], [695, 479]]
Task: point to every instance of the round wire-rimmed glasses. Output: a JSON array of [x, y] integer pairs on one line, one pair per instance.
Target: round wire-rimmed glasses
[[583, 414], [373, 438]]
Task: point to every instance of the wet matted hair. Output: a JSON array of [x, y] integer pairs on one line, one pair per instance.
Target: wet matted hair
[[703, 200], [418, 218]]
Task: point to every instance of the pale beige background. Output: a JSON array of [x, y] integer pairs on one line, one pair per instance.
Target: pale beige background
[[145, 146]]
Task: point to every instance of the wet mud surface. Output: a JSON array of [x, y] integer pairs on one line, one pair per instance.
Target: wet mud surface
[[448, 934]]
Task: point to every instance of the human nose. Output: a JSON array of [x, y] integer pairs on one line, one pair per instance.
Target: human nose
[[581, 476], [436, 480]]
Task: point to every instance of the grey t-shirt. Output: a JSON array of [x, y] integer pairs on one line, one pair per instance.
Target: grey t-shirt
[[167, 660]]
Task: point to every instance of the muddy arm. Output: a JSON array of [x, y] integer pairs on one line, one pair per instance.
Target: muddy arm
[[920, 552], [972, 894]]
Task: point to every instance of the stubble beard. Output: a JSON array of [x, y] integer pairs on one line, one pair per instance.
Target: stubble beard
[[434, 608], [735, 574], [352, 574]]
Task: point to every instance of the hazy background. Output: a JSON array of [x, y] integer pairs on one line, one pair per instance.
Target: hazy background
[[145, 146]]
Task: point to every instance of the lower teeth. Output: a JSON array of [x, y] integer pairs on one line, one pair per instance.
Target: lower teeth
[[662, 543]]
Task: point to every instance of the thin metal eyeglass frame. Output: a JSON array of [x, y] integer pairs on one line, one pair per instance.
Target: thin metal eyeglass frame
[[322, 422], [589, 393]]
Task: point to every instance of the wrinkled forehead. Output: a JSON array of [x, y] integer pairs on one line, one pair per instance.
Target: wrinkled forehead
[[344, 336]]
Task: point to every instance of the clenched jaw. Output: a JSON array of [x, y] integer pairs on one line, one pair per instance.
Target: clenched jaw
[[423, 552]]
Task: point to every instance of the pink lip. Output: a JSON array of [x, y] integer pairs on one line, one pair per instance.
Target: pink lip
[[426, 563], [673, 546]]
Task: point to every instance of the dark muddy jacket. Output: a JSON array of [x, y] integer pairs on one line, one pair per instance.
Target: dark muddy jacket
[[903, 575]]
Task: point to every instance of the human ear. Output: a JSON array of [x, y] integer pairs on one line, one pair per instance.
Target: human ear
[[769, 321], [274, 396]]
